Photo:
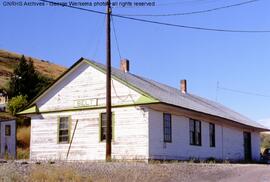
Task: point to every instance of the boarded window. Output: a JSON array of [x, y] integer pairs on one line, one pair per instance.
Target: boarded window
[[64, 130], [167, 127], [103, 126], [212, 136], [195, 132], [7, 130]]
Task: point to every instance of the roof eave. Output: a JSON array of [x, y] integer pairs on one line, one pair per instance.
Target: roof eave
[[261, 129]]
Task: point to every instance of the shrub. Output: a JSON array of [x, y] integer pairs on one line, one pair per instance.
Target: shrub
[[16, 104]]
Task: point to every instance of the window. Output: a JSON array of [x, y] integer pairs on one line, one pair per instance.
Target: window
[[195, 132], [167, 127], [7, 130], [103, 126], [64, 132], [212, 135]]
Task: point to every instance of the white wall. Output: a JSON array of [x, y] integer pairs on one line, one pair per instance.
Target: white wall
[[230, 147], [256, 145], [131, 136], [87, 83], [84, 83]]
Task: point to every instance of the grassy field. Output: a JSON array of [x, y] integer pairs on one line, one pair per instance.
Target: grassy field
[[8, 61]]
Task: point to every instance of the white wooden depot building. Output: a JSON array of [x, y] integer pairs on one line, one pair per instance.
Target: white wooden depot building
[[150, 120]]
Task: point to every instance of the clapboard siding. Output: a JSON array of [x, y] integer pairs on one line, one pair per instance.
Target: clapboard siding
[[85, 82], [130, 142], [138, 130], [229, 140]]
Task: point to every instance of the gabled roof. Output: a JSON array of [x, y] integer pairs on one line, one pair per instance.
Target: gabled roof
[[173, 96], [168, 95]]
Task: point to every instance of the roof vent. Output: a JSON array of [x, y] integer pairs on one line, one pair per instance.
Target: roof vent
[[124, 65], [183, 86]]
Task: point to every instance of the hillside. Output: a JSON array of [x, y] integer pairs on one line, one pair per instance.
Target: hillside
[[8, 60]]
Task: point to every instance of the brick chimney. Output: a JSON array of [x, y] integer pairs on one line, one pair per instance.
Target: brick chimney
[[124, 65], [183, 86]]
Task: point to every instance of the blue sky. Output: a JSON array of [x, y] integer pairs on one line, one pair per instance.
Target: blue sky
[[236, 60]]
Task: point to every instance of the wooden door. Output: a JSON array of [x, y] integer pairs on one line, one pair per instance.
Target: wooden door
[[247, 146]]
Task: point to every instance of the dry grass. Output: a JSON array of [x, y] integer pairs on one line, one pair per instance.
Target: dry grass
[[23, 142], [23, 153], [23, 136], [45, 173], [9, 175], [8, 60]]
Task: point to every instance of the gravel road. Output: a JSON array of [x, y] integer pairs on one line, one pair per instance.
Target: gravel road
[[133, 171]]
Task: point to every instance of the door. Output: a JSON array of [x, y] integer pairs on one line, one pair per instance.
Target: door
[[247, 146]]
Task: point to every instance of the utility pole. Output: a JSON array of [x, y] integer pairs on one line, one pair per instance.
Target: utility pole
[[108, 86]]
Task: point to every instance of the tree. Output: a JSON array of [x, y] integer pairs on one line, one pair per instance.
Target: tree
[[26, 80], [16, 104], [265, 140]]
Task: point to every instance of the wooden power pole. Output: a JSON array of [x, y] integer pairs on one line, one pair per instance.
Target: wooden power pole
[[108, 86]]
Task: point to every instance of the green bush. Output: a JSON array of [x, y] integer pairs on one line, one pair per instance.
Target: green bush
[[16, 104]]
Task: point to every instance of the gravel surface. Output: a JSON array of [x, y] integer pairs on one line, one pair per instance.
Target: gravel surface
[[132, 171]]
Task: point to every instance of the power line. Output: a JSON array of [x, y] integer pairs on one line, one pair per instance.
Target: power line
[[194, 12], [116, 40], [243, 92], [193, 27], [163, 23], [160, 4], [176, 3]]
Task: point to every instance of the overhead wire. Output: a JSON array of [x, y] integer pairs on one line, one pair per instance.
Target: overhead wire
[[243, 92], [177, 2], [194, 12], [116, 39], [162, 23], [95, 51]]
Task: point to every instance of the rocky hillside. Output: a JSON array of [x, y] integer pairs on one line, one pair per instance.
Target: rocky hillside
[[8, 60]]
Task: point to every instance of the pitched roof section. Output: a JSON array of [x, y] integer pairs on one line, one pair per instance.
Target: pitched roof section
[[173, 96]]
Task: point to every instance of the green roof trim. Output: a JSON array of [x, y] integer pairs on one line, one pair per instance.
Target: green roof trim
[[87, 108], [145, 100], [30, 110]]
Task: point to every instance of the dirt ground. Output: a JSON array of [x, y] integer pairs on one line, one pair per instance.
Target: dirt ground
[[133, 171]]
